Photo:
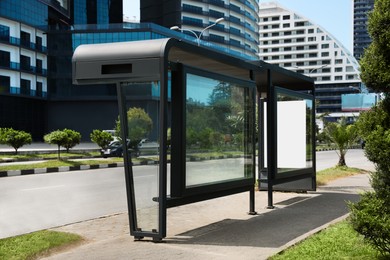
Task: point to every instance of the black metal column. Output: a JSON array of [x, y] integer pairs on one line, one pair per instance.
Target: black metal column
[[271, 138]]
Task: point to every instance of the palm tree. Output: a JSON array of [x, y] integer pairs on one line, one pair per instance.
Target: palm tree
[[342, 136]]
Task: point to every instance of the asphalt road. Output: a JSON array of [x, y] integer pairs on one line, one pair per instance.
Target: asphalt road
[[34, 202]]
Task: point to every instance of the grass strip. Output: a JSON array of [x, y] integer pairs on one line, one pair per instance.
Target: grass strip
[[339, 241], [331, 174], [35, 244], [47, 155]]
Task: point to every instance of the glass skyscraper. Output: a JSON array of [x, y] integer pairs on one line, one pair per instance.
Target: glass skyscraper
[[361, 38], [237, 32], [37, 40]]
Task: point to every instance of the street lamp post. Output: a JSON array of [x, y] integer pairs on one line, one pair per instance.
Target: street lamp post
[[314, 69], [198, 37]]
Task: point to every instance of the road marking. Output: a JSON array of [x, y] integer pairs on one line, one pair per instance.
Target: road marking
[[45, 187]]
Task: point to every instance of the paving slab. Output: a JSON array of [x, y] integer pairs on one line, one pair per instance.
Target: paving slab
[[221, 228]]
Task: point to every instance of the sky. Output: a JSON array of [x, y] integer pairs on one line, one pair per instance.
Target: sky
[[335, 16]]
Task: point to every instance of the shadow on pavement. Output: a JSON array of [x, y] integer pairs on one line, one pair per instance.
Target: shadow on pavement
[[274, 228]]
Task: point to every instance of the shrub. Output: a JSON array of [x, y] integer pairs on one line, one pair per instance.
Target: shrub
[[73, 138], [101, 138], [66, 138], [371, 218], [15, 138], [139, 125], [204, 137], [57, 137]]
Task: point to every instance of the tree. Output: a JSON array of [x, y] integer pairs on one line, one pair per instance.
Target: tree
[[57, 137], [341, 135], [101, 138], [15, 138], [371, 215], [139, 125], [375, 62], [66, 138], [73, 138]]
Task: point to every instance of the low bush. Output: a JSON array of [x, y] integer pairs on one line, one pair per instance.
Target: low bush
[[371, 218], [14, 138]]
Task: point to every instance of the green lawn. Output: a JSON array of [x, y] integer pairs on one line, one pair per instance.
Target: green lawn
[[31, 245], [327, 175], [339, 241]]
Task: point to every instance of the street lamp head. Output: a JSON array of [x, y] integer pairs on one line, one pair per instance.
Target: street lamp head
[[219, 20], [175, 28]]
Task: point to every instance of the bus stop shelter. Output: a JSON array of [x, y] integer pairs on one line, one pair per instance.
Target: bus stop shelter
[[207, 117]]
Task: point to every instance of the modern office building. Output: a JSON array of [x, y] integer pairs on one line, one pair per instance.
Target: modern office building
[[37, 41], [293, 42], [238, 31], [361, 38]]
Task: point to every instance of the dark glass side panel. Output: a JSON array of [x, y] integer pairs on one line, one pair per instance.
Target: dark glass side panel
[[219, 118]]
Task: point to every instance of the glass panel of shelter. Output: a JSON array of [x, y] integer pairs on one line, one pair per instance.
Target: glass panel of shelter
[[142, 141], [219, 114], [294, 132]]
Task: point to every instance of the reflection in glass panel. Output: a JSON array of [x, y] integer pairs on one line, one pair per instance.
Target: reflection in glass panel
[[294, 134], [218, 131], [142, 141]]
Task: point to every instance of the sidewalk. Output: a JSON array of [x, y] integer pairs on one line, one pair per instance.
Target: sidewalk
[[220, 228]]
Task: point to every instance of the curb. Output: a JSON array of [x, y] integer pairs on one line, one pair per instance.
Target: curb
[[58, 169], [100, 166]]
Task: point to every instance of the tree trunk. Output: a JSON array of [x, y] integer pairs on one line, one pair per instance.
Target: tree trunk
[[342, 160], [58, 152]]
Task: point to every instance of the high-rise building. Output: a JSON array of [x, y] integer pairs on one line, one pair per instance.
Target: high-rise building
[[361, 38], [293, 42], [37, 41], [238, 31]]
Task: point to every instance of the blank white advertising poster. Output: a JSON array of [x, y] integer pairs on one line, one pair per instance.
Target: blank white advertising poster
[[291, 136]]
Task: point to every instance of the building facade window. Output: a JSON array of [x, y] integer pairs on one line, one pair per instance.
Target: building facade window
[[25, 86], [4, 32], [5, 59]]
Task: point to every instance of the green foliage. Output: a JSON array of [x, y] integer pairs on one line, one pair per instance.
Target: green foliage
[[31, 245], [341, 135], [371, 218], [73, 138], [139, 125], [204, 137], [3, 132], [375, 63], [101, 138], [374, 128], [216, 138], [66, 138], [57, 137], [14, 138]]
